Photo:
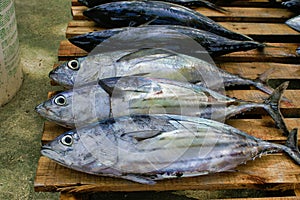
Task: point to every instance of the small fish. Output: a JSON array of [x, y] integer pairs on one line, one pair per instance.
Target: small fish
[[147, 148], [136, 13], [187, 3], [168, 64], [214, 44], [115, 97], [298, 51], [294, 23], [293, 5]]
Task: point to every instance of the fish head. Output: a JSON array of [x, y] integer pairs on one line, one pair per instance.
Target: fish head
[[66, 73], [73, 108], [68, 150], [58, 109], [88, 148]]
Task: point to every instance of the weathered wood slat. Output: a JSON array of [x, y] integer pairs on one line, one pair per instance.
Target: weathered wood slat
[[85, 196], [274, 52], [234, 14], [269, 32], [272, 172], [253, 69]]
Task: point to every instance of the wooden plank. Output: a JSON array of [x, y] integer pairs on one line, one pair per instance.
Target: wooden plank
[[88, 196], [272, 172], [234, 14], [265, 32], [253, 69]]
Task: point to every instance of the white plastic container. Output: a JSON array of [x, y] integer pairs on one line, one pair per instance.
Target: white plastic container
[[10, 70]]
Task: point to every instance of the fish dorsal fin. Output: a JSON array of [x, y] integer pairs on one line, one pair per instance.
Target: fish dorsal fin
[[118, 85], [145, 52]]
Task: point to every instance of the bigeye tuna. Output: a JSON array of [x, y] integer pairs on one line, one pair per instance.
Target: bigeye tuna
[[158, 63], [214, 44], [146, 148], [115, 97], [187, 3], [136, 13]]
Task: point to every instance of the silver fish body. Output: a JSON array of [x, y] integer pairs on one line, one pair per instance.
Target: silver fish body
[[115, 97], [159, 63], [294, 23], [146, 148]]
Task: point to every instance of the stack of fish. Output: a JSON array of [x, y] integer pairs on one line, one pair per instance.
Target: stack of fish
[[152, 113]]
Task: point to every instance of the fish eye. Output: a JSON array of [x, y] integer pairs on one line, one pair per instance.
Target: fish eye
[[60, 100], [73, 64], [67, 140]]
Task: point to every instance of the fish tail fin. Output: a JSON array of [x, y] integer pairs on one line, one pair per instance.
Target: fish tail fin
[[261, 81], [292, 146], [272, 106]]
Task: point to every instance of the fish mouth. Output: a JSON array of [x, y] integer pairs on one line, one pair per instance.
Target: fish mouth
[[48, 152], [57, 78]]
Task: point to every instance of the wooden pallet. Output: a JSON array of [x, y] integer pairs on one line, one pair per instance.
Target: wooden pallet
[[257, 18]]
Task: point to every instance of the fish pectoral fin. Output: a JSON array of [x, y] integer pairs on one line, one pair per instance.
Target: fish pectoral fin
[[120, 85], [143, 135], [139, 179], [146, 52]]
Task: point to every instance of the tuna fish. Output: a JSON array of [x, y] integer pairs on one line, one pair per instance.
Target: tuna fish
[[136, 13], [168, 64], [294, 23], [214, 44], [147, 148], [293, 5], [115, 97], [187, 3]]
